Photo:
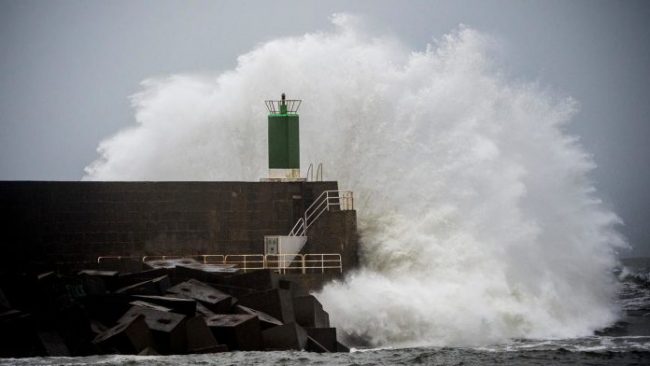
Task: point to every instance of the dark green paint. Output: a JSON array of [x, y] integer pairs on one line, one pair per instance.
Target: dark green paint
[[284, 141]]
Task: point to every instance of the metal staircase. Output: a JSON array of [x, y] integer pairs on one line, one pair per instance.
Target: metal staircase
[[338, 200]]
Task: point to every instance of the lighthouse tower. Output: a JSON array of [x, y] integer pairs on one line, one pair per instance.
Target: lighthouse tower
[[284, 139]]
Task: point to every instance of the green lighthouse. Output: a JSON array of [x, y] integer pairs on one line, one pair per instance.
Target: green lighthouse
[[284, 139]]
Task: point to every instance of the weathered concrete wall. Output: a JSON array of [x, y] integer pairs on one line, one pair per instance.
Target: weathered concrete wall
[[335, 232], [81, 220]]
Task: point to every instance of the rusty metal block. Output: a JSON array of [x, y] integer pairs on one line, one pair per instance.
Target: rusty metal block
[[167, 329], [289, 336], [237, 331], [130, 337], [212, 298], [276, 302]]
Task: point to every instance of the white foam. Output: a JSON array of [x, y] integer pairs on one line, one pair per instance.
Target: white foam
[[478, 220]]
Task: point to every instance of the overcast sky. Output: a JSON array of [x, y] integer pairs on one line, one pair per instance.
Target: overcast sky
[[67, 69]]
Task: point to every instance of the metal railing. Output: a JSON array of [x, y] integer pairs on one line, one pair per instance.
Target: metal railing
[[344, 200], [204, 258], [117, 257], [282, 263], [322, 261], [310, 173], [246, 261], [274, 106]]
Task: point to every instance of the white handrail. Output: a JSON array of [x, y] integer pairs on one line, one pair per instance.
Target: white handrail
[[246, 262], [257, 261], [118, 257], [343, 199]]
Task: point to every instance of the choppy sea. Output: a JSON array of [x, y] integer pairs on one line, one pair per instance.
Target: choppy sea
[[624, 343]]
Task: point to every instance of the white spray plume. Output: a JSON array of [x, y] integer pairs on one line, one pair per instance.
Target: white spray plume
[[478, 221]]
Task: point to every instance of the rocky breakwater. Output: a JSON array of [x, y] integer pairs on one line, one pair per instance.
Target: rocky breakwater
[[175, 306]]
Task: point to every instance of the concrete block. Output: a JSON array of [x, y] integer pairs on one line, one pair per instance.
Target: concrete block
[[289, 336], [234, 291], [4, 303], [149, 305], [170, 263], [168, 329], [210, 297], [148, 352], [314, 346], [74, 326], [156, 286], [107, 308], [296, 289], [93, 285], [204, 272], [200, 338], [53, 343], [203, 311], [340, 347], [266, 321], [122, 265], [237, 331], [262, 279], [127, 279], [276, 302], [130, 337], [309, 312], [325, 337], [98, 273], [18, 334], [178, 305]]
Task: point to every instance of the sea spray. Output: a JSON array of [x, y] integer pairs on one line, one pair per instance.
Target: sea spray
[[478, 221]]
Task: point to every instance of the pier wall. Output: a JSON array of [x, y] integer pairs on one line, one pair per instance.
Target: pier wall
[[68, 221]]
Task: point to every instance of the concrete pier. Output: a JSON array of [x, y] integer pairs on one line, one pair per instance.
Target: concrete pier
[[68, 222]]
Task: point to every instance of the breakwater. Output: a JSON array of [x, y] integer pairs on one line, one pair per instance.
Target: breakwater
[[50, 223]]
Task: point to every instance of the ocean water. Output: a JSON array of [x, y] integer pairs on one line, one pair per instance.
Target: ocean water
[[626, 342]]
